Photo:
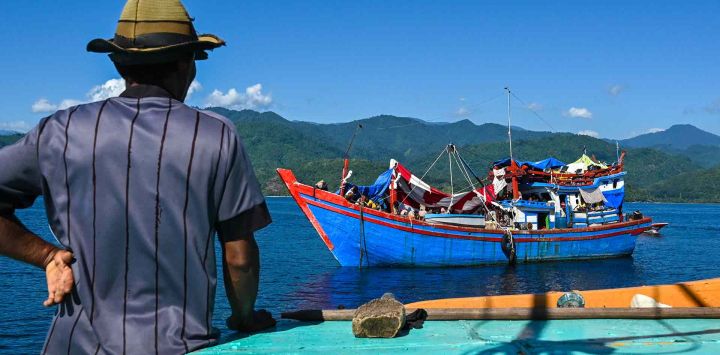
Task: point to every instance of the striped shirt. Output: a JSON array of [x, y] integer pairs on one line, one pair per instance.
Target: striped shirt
[[135, 186]]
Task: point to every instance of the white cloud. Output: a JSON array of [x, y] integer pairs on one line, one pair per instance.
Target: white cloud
[[20, 126], [251, 99], [590, 133], [655, 130], [110, 88], [578, 112], [462, 111], [534, 106], [195, 86], [43, 105], [616, 89], [67, 103]]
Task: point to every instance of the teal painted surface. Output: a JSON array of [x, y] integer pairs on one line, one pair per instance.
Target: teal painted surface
[[616, 336]]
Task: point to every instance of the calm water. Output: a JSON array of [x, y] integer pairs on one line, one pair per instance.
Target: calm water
[[299, 272]]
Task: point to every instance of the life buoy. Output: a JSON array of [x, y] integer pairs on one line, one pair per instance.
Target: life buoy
[[508, 246]]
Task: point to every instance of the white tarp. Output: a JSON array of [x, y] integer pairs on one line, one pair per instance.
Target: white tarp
[[592, 196]]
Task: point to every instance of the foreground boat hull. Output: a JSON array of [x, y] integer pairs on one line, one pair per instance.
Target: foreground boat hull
[[363, 237], [585, 336], [701, 293]]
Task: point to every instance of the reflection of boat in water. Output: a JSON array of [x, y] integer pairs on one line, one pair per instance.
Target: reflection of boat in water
[[655, 228]]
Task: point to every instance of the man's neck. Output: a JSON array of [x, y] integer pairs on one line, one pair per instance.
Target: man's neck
[[136, 90]]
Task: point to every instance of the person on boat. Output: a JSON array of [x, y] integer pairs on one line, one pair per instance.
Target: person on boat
[[422, 212], [321, 185], [135, 188], [352, 195]]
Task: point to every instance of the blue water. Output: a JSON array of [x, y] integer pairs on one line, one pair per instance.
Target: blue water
[[299, 272]]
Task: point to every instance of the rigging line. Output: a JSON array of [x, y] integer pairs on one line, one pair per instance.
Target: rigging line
[[423, 176], [451, 182], [466, 167], [471, 170], [481, 197], [474, 106], [474, 189], [533, 111], [463, 171], [433, 164], [462, 168]]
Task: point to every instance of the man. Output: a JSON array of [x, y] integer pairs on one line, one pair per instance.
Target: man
[[135, 188]]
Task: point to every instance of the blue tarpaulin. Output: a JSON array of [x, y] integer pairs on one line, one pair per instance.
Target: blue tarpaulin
[[549, 163], [377, 190], [614, 198]]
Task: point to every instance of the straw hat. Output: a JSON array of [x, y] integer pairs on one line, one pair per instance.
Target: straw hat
[[154, 31]]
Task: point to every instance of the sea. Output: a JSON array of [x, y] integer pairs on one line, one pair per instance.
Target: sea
[[298, 272]]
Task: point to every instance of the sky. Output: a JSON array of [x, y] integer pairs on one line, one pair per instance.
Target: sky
[[613, 69]]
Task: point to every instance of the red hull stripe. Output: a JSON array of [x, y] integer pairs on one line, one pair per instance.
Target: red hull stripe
[[455, 236]]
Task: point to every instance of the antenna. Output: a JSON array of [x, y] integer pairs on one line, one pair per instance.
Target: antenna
[[507, 88], [617, 151]]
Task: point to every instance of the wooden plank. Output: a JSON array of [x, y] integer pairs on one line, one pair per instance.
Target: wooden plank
[[525, 313]]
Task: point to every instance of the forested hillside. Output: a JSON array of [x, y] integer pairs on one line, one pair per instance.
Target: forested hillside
[[314, 151]]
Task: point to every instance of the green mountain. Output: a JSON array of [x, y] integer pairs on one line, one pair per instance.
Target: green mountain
[[693, 186], [702, 147], [314, 151], [9, 139], [380, 136], [680, 136]]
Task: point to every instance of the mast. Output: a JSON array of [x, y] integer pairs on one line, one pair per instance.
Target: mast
[[346, 161], [509, 124], [513, 166]]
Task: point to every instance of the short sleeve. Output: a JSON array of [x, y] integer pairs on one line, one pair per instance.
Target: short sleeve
[[242, 200], [20, 178]]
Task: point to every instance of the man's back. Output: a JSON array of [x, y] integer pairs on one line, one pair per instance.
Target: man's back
[[134, 186]]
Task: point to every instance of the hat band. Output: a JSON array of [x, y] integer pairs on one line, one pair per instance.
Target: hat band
[[153, 40]]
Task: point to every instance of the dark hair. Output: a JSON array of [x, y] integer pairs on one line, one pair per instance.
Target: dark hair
[[147, 73], [152, 73]]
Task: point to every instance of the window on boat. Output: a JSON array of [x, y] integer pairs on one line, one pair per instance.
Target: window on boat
[[542, 220], [615, 182]]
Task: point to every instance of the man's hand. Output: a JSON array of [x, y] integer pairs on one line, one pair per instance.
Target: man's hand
[[59, 277], [261, 320]]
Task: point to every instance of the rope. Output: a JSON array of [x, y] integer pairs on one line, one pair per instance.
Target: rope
[[509, 250], [451, 184], [474, 189], [363, 243], [533, 111], [423, 176]]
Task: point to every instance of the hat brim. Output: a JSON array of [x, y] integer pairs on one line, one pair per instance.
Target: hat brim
[[159, 54]]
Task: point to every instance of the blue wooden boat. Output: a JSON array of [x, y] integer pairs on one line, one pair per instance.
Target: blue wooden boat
[[361, 236]]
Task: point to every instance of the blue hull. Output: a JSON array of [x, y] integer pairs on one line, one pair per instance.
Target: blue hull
[[363, 237]]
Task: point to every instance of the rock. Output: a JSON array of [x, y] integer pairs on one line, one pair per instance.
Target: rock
[[380, 318]]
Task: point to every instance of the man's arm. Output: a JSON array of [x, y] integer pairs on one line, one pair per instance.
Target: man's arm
[[19, 243], [241, 272]]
